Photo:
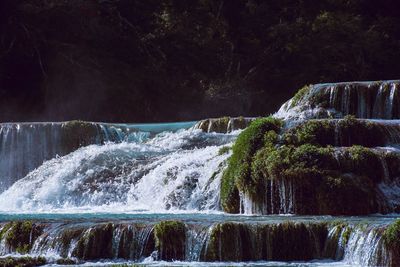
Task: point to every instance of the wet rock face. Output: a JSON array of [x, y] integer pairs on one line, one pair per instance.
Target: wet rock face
[[223, 125], [368, 100], [19, 236], [22, 261], [77, 242], [170, 239], [308, 163], [95, 243]]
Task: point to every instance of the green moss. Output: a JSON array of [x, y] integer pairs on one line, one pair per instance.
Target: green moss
[[346, 132], [240, 123], [360, 132], [391, 236], [365, 162], [22, 261], [170, 237], [316, 132], [237, 174], [321, 187], [20, 235], [224, 150], [300, 95]]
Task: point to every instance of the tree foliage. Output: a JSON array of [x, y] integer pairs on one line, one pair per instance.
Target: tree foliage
[[134, 60]]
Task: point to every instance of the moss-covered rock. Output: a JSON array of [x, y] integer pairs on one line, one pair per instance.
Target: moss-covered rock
[[287, 241], [346, 194], [391, 238], [22, 261], [66, 261], [95, 243], [170, 238], [76, 134], [223, 124], [344, 132], [297, 170], [224, 150], [237, 175], [19, 236]]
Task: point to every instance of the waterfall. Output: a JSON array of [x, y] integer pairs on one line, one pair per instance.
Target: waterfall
[[365, 248], [369, 100], [177, 167]]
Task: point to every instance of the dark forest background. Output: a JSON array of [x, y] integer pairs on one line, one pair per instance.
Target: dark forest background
[[167, 60]]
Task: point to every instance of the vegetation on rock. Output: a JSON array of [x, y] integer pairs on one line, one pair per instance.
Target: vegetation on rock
[[170, 238], [22, 261], [237, 175], [326, 180], [20, 235]]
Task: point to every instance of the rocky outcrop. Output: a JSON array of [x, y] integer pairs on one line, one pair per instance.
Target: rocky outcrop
[[298, 163], [223, 125], [264, 240]]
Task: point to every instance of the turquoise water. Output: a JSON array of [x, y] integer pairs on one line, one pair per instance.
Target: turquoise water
[[193, 217]]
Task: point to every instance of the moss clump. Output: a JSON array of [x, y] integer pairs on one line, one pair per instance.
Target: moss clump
[[391, 237], [19, 236], [237, 175], [360, 132], [300, 95], [170, 237], [322, 186], [240, 123], [365, 162], [345, 132], [22, 261], [316, 132], [224, 150]]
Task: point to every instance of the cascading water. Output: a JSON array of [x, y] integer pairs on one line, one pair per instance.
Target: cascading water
[[25, 146], [367, 100], [150, 193], [176, 167]]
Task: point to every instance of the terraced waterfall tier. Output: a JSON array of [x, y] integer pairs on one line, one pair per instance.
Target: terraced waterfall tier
[[317, 183], [202, 239], [25, 146]]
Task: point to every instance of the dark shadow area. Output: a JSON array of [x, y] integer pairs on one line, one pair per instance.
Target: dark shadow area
[[169, 60]]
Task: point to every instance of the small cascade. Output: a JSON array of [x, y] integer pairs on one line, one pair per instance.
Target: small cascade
[[25, 146], [178, 168], [368, 100], [223, 125], [364, 247], [276, 239]]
